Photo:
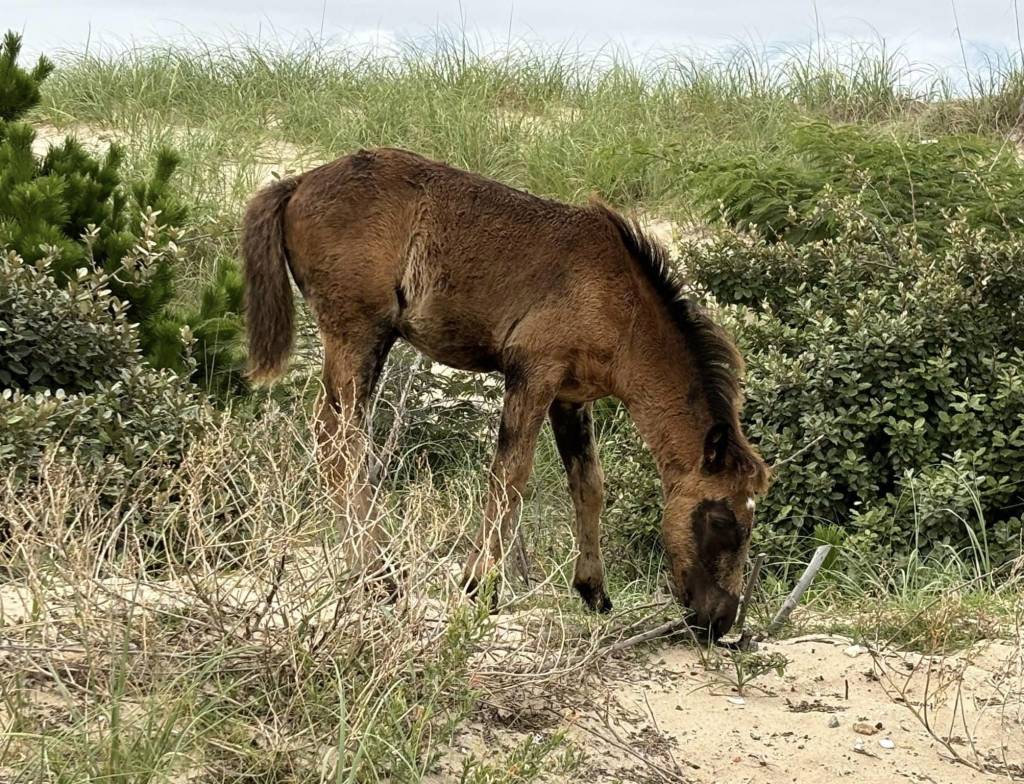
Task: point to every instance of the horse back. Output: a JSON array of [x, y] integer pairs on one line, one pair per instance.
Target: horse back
[[463, 267]]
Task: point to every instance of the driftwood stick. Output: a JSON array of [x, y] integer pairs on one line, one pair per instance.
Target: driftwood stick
[[748, 590], [795, 595], [664, 630]]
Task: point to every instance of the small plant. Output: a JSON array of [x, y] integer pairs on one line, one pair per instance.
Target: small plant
[[739, 669], [830, 534], [533, 759]]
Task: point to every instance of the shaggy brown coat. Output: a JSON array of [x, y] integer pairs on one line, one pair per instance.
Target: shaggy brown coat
[[569, 303]]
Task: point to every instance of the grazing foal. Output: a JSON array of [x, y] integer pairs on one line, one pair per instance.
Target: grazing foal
[[569, 303]]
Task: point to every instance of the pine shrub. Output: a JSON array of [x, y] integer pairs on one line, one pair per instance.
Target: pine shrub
[[78, 211]]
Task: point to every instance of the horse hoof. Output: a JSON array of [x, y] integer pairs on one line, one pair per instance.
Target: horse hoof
[[595, 597]]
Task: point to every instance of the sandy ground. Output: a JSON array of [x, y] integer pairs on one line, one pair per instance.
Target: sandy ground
[[837, 712], [665, 712], [269, 160], [94, 140]]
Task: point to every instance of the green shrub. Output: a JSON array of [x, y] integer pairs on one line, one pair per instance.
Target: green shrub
[[42, 348], [75, 384], [207, 335], [19, 89], [77, 211], [141, 418], [795, 192], [882, 374]]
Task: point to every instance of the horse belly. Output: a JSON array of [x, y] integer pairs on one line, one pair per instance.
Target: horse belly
[[453, 318], [457, 343]]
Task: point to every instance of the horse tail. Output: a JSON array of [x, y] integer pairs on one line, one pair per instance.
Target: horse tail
[[270, 310]]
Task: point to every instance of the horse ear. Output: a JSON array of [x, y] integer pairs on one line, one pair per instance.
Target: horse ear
[[716, 443]]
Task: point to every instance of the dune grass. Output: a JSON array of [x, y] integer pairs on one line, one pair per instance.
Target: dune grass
[[557, 123]]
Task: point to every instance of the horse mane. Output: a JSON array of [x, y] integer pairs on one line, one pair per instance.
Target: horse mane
[[719, 364]]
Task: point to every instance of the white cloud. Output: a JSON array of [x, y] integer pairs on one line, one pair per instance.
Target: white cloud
[[924, 30]]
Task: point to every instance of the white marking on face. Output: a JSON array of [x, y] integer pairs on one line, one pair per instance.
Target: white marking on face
[[750, 504]]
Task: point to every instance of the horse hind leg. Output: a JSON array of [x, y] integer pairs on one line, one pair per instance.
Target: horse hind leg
[[352, 366]]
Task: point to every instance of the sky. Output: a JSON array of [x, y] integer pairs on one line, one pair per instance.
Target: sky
[[926, 31]]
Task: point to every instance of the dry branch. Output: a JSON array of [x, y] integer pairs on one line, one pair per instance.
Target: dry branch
[[797, 593], [664, 630]]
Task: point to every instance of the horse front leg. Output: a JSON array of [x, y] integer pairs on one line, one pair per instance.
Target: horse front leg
[[526, 401], [573, 425]]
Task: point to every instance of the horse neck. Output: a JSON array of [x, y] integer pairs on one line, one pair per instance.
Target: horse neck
[[657, 386]]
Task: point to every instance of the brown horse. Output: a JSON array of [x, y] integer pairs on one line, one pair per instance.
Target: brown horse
[[569, 303]]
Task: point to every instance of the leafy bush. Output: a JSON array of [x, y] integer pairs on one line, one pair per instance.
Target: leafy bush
[[141, 418], [42, 348], [77, 211], [795, 192], [884, 375], [75, 384]]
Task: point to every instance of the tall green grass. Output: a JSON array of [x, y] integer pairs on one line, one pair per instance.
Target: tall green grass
[[559, 123]]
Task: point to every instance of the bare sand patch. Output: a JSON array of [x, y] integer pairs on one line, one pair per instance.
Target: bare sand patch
[[95, 140], [532, 123], [255, 166], [668, 717]]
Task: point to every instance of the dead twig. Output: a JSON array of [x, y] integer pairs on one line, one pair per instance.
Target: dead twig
[[886, 682], [796, 454], [797, 593], [664, 630]]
